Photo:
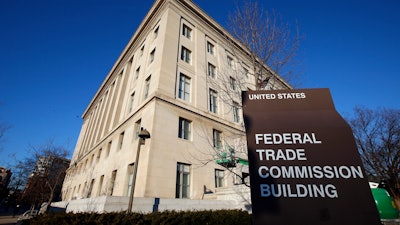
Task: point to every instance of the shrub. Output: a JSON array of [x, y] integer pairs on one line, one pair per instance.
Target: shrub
[[206, 217]]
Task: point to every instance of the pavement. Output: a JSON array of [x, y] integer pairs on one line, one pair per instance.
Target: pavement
[[8, 218]]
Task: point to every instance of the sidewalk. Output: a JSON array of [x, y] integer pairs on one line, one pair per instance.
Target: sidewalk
[[6, 218]]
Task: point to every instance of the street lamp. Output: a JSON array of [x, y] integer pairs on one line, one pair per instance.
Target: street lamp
[[143, 135]]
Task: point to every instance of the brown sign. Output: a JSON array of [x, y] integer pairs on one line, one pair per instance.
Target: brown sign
[[303, 161]]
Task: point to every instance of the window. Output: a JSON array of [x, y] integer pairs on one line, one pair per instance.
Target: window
[[213, 101], [121, 139], [246, 72], [235, 110], [184, 87], [155, 35], [100, 185], [182, 181], [99, 155], [141, 50], [217, 141], [184, 128], [210, 48], [219, 178], [131, 102], [186, 31], [211, 70], [130, 179], [230, 61], [84, 190], [112, 181], [152, 53], [89, 194], [185, 54], [137, 73], [232, 83], [138, 125], [146, 87], [109, 148]]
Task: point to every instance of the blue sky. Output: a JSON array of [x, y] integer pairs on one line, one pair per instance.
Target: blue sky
[[54, 54]]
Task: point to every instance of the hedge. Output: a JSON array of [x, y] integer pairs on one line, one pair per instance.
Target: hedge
[[207, 217]]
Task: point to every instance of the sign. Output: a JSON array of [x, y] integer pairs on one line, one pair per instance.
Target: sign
[[303, 161]]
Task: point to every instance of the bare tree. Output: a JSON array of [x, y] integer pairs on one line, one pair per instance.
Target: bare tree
[[268, 38], [377, 134], [43, 173], [262, 46]]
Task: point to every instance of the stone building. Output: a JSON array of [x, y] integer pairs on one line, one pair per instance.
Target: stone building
[[180, 77]]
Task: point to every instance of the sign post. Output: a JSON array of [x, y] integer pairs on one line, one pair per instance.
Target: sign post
[[303, 161]]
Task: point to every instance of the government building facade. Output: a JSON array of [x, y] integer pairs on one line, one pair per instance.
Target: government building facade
[[180, 78]]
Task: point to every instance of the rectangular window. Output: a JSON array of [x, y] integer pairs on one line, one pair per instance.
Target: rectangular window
[[138, 125], [99, 192], [142, 50], [213, 101], [246, 72], [146, 87], [152, 53], [182, 181], [89, 194], [121, 139], [184, 87], [186, 55], [131, 102], [217, 140], [230, 61], [232, 83], [219, 178], [155, 35], [184, 128], [137, 73], [186, 31], [210, 48], [130, 179], [109, 148], [79, 189], [211, 70], [235, 111], [112, 182], [99, 155], [84, 189]]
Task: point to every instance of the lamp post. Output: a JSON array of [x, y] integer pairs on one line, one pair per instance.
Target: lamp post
[[143, 135]]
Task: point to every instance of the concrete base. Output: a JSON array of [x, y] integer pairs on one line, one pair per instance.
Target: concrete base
[[143, 205]]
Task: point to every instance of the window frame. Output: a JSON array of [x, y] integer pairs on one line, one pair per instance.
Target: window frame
[[232, 83], [229, 61], [155, 33], [186, 55], [210, 48], [235, 111], [184, 88], [183, 173], [184, 129], [219, 178], [146, 90], [187, 31], [211, 70], [213, 101], [217, 139], [152, 56]]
